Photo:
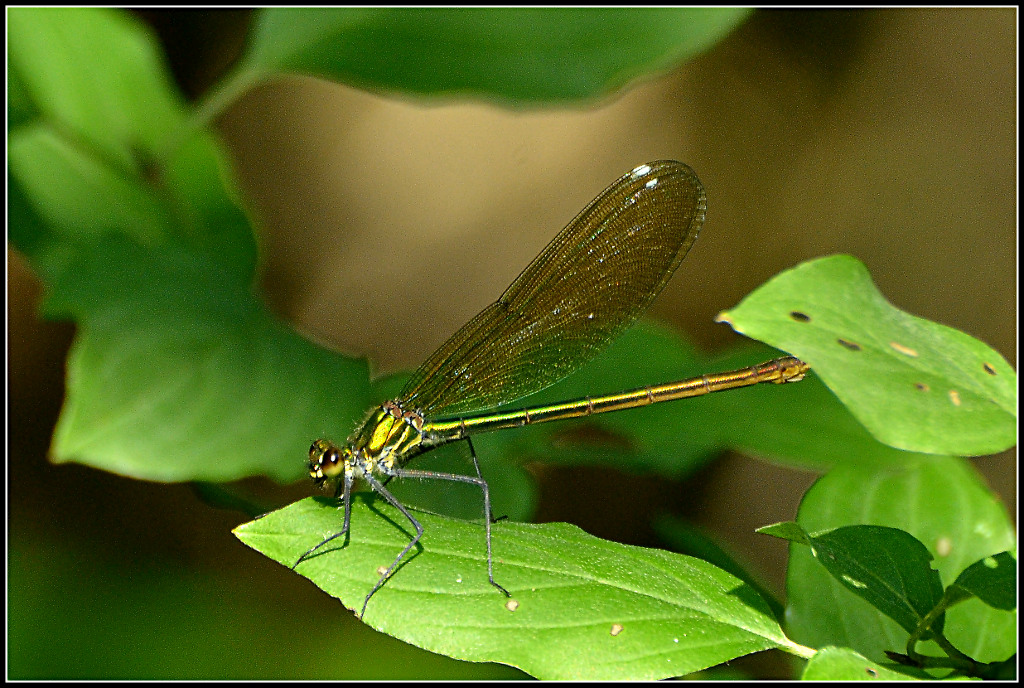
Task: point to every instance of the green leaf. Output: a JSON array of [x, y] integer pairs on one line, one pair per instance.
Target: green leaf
[[993, 580], [187, 377], [888, 567], [939, 500], [96, 76], [693, 541], [788, 530], [177, 372], [914, 384], [20, 108], [843, 664], [78, 195], [584, 608], [515, 55]]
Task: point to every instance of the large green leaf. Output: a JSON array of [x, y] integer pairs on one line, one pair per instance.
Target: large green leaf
[[686, 538], [178, 372], [888, 567], [515, 55], [187, 377], [914, 384], [96, 76], [581, 608]]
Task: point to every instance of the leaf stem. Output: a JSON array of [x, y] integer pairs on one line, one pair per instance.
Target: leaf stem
[[212, 105], [216, 100], [799, 650], [959, 659]]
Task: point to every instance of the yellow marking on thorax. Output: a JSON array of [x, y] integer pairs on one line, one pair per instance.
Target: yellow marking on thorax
[[385, 440]]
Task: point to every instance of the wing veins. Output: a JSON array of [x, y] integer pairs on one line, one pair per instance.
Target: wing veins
[[590, 283]]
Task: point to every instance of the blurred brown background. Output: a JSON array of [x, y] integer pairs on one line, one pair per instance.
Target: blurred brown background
[[386, 223]]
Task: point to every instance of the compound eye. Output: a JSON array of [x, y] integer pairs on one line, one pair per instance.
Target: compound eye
[[324, 461], [332, 463]]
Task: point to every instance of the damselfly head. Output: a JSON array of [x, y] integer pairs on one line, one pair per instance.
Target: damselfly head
[[326, 461]]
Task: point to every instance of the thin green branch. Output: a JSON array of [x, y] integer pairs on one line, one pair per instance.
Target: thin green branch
[[212, 105]]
